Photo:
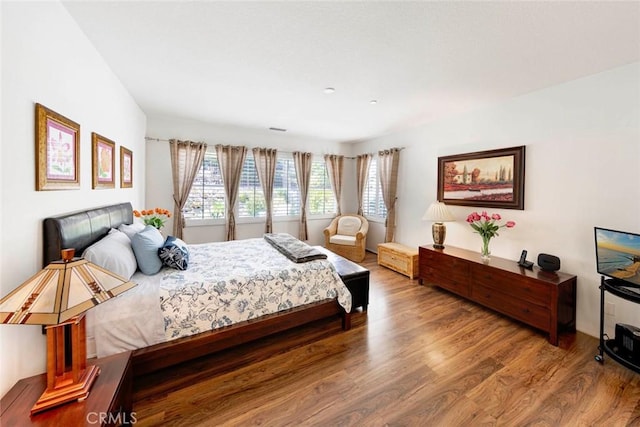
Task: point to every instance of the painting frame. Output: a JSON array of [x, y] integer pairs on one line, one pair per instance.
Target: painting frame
[[497, 177], [103, 162], [126, 168], [57, 151]]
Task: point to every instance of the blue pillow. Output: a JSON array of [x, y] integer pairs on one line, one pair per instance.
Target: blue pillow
[[174, 253], [145, 246]]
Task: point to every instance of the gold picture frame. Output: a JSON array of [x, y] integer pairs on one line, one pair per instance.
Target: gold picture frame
[[57, 151], [126, 168], [103, 165]]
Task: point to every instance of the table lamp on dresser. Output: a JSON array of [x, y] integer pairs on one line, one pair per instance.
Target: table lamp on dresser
[[438, 213], [58, 297]]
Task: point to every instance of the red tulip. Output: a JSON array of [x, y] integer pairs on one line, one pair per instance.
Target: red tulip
[[510, 224], [496, 217]]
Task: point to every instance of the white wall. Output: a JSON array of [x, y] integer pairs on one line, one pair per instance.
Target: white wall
[[582, 143], [59, 68], [160, 190]]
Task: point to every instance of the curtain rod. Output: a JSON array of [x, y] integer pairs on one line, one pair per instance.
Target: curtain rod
[[148, 138]]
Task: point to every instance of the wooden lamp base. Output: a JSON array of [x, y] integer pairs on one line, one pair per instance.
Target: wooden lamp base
[[68, 376], [71, 392]]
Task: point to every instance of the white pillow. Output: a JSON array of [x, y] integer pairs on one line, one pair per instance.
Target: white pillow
[[131, 229], [114, 253], [349, 225]]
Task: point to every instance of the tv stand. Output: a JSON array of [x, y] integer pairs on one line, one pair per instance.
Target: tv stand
[[608, 345], [544, 300]]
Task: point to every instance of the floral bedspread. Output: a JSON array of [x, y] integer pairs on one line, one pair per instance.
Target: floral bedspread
[[228, 282]]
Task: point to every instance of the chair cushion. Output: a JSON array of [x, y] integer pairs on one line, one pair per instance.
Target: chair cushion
[[339, 239], [349, 225]]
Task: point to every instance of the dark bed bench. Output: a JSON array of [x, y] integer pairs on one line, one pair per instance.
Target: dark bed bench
[[354, 276]]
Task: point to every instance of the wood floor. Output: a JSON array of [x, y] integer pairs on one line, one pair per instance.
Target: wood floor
[[419, 357]]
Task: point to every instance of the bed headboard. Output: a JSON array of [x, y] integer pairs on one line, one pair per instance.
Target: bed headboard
[[80, 230]]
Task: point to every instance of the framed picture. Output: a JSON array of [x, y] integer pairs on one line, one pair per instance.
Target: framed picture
[[493, 178], [57, 151], [126, 168], [103, 161]]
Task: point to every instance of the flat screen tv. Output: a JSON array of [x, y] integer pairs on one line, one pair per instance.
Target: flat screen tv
[[618, 255]]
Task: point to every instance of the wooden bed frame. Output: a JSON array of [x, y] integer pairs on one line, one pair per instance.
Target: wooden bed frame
[[81, 229]]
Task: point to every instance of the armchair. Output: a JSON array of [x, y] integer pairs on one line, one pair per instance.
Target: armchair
[[347, 236]]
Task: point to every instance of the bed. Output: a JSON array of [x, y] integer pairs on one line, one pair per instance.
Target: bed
[[165, 344]]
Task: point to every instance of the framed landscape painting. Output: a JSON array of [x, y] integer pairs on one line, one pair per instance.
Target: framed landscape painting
[[57, 151], [103, 161], [126, 168], [493, 178]]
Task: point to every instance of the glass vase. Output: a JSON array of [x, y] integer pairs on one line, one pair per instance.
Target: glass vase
[[485, 253]]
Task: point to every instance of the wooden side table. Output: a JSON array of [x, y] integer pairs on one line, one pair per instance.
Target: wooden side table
[[109, 403]]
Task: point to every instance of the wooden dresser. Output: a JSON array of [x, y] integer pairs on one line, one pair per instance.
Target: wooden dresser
[[400, 258], [544, 300]]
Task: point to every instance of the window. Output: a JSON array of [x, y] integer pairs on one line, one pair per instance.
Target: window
[[373, 203], [206, 200], [286, 195], [250, 195], [321, 198]]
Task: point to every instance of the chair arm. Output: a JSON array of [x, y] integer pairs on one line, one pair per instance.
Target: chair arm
[[332, 228], [362, 233]]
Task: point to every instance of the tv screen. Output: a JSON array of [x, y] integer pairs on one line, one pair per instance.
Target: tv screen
[[618, 255]]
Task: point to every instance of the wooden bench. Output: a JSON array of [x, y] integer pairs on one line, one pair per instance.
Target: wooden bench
[[400, 258], [354, 276]]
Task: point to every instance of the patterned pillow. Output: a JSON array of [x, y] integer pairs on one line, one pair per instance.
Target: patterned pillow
[[174, 253]]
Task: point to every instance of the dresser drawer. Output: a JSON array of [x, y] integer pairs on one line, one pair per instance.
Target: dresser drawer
[[452, 281], [510, 284], [443, 262], [532, 314]]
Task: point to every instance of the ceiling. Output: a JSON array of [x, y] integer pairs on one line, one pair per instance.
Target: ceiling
[[266, 64]]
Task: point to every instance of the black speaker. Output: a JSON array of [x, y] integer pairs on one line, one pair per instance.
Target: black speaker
[[549, 262], [628, 341]]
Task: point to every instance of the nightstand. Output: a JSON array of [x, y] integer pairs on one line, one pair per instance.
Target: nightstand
[[109, 403]]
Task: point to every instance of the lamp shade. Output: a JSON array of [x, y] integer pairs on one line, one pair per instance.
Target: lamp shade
[[60, 291], [438, 212]]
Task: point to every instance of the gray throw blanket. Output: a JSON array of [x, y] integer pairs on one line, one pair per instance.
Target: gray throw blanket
[[294, 249]]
